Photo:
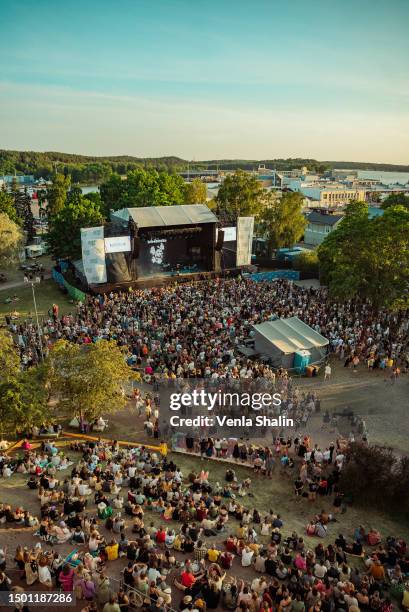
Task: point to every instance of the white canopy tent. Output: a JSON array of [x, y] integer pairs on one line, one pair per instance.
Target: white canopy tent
[[281, 339]]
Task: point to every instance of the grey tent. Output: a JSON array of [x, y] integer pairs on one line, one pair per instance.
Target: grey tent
[[165, 216], [283, 340]]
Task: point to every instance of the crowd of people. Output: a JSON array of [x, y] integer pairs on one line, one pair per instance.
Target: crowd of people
[[183, 542], [193, 329]]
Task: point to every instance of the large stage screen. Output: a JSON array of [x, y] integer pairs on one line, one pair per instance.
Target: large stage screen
[[175, 254]]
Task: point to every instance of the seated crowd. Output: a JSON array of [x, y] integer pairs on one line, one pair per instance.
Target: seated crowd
[[183, 542]]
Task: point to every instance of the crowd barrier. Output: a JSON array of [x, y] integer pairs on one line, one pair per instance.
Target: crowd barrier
[[73, 292], [275, 274], [160, 448]]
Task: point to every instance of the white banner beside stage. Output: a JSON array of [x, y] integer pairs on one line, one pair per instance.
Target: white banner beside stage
[[245, 227], [117, 244], [93, 254]]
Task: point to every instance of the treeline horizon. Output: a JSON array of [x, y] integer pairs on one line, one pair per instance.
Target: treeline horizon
[[92, 168]]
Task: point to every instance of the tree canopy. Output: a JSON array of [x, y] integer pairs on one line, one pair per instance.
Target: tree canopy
[[23, 402], [7, 206], [195, 192], [396, 199], [370, 469], [142, 188], [9, 360], [307, 261], [57, 194], [81, 168], [64, 237], [88, 380], [282, 221], [23, 396], [368, 258], [91, 168], [11, 238], [240, 195]]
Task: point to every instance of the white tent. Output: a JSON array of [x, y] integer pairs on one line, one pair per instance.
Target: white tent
[[281, 339]]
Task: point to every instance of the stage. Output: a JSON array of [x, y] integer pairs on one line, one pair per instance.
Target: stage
[[163, 281], [158, 246]]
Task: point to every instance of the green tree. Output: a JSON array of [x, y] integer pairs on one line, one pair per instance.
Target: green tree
[[8, 207], [22, 202], [142, 188], [195, 192], [64, 237], [9, 360], [57, 194], [240, 195], [396, 199], [23, 397], [307, 261], [74, 193], [368, 258], [95, 197], [11, 239], [14, 188], [282, 222], [111, 193], [88, 380], [42, 200], [23, 403]]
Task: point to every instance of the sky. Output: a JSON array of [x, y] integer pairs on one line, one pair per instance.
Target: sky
[[324, 79]]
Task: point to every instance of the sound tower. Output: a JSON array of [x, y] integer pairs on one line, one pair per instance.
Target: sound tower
[[220, 240]]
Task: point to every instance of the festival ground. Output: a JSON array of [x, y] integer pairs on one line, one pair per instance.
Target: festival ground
[[372, 395], [275, 494]]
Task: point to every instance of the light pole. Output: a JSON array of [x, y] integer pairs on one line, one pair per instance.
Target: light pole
[[38, 324]]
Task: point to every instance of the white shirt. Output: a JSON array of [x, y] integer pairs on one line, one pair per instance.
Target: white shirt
[[246, 557]]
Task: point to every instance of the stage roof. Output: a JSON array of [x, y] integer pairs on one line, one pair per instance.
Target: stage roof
[[290, 335], [164, 216]]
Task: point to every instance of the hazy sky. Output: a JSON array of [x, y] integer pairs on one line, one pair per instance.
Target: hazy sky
[[327, 79]]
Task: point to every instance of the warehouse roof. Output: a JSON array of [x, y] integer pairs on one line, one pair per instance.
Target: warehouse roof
[[164, 216], [290, 335]]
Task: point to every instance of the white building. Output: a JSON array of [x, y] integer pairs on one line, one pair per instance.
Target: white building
[[319, 225]]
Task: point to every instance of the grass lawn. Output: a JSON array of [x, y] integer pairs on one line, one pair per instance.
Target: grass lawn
[[277, 494], [47, 293], [14, 274]]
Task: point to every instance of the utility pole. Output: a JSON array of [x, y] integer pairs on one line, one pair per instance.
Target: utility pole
[[38, 324]]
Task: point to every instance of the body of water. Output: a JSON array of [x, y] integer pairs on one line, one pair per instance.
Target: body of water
[[387, 178]]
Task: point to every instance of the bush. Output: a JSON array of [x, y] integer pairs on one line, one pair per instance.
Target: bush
[[374, 476], [307, 261]]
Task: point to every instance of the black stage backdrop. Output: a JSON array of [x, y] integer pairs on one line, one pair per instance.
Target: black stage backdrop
[[172, 251]]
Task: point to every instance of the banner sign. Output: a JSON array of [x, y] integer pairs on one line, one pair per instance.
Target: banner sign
[[93, 254], [245, 227], [229, 234], [117, 244]]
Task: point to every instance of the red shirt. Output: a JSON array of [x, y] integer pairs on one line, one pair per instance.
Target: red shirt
[[161, 536], [201, 514], [187, 579]]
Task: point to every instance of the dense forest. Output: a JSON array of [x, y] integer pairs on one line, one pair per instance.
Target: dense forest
[[92, 169]]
